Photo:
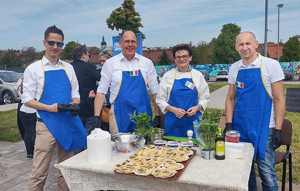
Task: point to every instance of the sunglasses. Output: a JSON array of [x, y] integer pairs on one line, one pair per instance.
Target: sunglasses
[[58, 44]]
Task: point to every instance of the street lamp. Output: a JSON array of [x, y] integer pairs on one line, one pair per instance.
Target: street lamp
[[279, 6], [266, 29]]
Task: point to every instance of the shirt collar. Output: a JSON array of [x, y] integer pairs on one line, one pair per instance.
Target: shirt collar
[[46, 62], [123, 58], [255, 63]]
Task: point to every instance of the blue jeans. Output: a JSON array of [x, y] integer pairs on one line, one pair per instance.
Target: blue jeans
[[266, 169]]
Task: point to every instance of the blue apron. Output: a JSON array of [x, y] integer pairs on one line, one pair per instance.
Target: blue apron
[[184, 97], [252, 110], [67, 130], [132, 97]]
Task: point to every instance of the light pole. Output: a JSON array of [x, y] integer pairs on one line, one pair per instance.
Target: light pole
[[266, 29], [279, 6]]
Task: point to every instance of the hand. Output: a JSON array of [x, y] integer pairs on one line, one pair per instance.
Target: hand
[[192, 111], [92, 94], [228, 127], [74, 109], [276, 138], [179, 113], [52, 108], [93, 122]]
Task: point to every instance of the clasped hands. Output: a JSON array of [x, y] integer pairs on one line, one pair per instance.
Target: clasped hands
[[179, 112]]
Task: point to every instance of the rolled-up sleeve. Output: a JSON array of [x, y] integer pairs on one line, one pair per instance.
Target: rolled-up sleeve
[[152, 76], [162, 95], [75, 85], [29, 85], [203, 94], [105, 80]]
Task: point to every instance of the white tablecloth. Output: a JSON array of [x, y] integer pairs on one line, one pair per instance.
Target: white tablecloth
[[200, 174]]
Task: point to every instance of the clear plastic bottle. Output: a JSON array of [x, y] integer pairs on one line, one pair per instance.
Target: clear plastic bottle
[[189, 134]]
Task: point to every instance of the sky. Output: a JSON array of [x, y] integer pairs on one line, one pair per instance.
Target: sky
[[166, 22]]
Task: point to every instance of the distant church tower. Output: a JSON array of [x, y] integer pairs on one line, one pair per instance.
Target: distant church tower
[[103, 44]]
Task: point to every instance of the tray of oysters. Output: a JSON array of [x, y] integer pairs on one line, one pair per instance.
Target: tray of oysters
[[157, 161]]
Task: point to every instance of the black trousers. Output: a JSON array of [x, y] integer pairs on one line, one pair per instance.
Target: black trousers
[[26, 123]]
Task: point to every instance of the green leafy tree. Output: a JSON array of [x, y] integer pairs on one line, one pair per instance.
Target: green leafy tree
[[223, 47], [125, 18], [291, 50], [164, 59], [68, 50], [10, 59], [202, 53]]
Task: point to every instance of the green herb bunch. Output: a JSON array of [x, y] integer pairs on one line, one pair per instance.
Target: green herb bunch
[[144, 126]]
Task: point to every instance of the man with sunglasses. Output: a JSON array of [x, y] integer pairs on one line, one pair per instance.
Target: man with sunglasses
[[48, 84]]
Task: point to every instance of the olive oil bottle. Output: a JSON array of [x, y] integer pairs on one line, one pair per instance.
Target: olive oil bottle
[[220, 145]]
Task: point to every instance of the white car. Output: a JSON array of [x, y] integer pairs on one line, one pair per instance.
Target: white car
[[8, 89], [222, 75]]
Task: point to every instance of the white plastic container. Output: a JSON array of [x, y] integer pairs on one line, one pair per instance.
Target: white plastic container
[[99, 147], [234, 150]]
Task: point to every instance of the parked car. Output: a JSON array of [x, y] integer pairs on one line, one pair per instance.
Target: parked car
[[8, 89], [205, 75], [222, 75]]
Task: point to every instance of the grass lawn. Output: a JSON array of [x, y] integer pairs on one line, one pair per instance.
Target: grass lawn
[[8, 126], [216, 85]]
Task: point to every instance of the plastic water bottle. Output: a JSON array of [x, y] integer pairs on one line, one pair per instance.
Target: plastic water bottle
[[190, 137], [196, 126]]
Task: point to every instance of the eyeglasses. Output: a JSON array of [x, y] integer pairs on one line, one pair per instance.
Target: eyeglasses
[[182, 57], [58, 44]]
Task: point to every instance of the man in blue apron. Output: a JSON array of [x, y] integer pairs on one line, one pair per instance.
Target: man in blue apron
[[49, 83], [131, 79], [183, 94], [255, 106]]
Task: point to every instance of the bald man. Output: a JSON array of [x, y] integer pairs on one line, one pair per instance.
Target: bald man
[[132, 79], [255, 106]]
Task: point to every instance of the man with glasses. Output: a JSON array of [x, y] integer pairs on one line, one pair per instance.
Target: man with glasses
[[131, 78], [183, 94], [87, 77], [50, 86]]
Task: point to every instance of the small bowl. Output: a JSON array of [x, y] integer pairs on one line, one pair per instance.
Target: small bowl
[[126, 142], [172, 144], [160, 142], [186, 144]]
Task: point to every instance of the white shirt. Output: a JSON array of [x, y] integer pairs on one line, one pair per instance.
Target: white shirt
[[166, 85], [271, 73], [111, 74], [34, 77]]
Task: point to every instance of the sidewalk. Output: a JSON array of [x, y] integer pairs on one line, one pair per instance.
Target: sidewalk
[[15, 169]]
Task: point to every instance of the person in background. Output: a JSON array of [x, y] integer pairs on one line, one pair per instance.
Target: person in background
[[50, 86], [255, 106], [131, 78], [87, 77], [183, 94], [26, 120]]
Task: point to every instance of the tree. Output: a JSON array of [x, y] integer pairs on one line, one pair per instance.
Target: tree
[[10, 59], [68, 50], [164, 59], [291, 50], [125, 18], [223, 46], [202, 53]]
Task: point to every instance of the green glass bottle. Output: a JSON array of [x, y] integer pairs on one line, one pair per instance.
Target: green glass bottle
[[220, 145]]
